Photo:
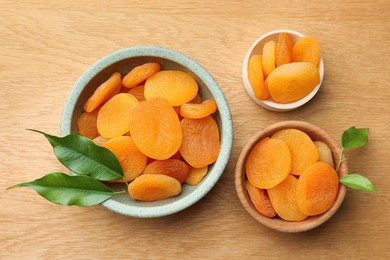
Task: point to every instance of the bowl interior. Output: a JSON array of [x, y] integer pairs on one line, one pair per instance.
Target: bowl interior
[[257, 48], [317, 134], [123, 61]]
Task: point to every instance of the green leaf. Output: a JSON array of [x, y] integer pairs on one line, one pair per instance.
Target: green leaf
[[80, 155], [68, 190], [354, 137], [357, 181]]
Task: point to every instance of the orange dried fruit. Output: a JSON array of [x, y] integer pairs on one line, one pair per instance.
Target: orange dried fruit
[[317, 189], [307, 49], [256, 77], [124, 90], [268, 57], [201, 144], [153, 187], [140, 73], [268, 163], [150, 160], [284, 200], [114, 117], [138, 92], [130, 158], [171, 167], [193, 110], [283, 50], [87, 124], [100, 140], [324, 152], [291, 82], [177, 155], [303, 151], [177, 110], [196, 99], [260, 200], [196, 175], [176, 86], [104, 92], [155, 128]]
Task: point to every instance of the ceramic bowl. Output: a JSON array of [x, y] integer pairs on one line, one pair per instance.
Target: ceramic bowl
[[123, 61], [277, 223], [257, 48]]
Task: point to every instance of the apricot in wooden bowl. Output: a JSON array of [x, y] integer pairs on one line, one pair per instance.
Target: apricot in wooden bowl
[[119, 64], [278, 184]]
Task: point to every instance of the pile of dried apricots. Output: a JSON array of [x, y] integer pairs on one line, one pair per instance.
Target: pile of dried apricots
[[285, 72], [156, 124], [292, 176]]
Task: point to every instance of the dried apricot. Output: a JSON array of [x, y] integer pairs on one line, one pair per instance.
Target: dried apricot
[[176, 86], [177, 110], [201, 144], [87, 124], [140, 74], [197, 99], [171, 167], [104, 92], [138, 92], [196, 175], [268, 163], [307, 49], [283, 50], [130, 158], [155, 128], [324, 152], [118, 146], [124, 90], [152, 187], [303, 151], [177, 155], [150, 160], [268, 57], [260, 200], [284, 200], [291, 82], [256, 77], [100, 140], [114, 117], [317, 189], [193, 110]]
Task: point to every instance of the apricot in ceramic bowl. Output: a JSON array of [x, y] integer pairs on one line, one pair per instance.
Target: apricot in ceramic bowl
[[122, 117], [283, 70]]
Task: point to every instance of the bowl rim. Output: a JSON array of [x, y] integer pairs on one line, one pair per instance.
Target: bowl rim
[[269, 104], [277, 223], [225, 116]]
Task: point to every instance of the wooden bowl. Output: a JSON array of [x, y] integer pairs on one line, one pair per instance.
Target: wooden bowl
[[276, 223]]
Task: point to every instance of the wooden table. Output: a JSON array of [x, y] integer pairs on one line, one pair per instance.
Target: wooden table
[[47, 45]]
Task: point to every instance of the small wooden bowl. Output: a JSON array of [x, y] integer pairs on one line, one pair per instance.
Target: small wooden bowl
[[276, 223]]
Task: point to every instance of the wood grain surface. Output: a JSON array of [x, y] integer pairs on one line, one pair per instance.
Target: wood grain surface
[[46, 45]]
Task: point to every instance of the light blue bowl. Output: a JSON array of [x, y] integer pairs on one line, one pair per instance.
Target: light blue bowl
[[123, 61]]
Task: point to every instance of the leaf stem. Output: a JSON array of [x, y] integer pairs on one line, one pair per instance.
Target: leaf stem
[[341, 160], [118, 192], [127, 184]]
